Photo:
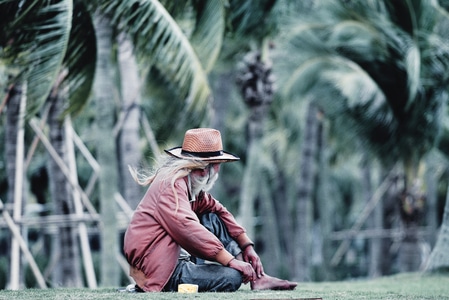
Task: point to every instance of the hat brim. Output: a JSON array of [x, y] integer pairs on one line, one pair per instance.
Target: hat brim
[[225, 157]]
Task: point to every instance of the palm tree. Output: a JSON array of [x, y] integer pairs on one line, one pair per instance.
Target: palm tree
[[33, 41], [383, 66], [164, 45], [129, 136], [161, 44], [438, 258], [256, 86], [205, 39], [251, 23]]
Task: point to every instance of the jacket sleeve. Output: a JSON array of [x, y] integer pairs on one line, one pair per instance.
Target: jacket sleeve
[[182, 224]]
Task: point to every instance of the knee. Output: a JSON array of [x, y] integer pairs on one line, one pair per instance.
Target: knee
[[234, 280], [213, 223], [209, 219]]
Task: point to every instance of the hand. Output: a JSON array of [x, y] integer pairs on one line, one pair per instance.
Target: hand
[[245, 268], [250, 256]]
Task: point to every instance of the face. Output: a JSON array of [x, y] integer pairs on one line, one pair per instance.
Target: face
[[204, 179]]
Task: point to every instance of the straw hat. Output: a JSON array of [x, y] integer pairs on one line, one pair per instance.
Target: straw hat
[[202, 144]]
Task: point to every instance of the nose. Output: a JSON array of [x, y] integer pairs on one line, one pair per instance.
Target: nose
[[216, 167]]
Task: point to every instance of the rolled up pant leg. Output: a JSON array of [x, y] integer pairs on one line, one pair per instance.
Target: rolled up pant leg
[[208, 277]]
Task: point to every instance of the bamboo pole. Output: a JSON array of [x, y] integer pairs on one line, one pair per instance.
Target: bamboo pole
[[363, 216], [124, 205], [82, 229], [90, 159], [35, 141], [124, 266], [377, 233], [18, 191], [84, 151], [15, 230], [62, 166], [56, 220]]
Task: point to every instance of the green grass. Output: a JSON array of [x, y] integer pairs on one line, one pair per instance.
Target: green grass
[[410, 286]]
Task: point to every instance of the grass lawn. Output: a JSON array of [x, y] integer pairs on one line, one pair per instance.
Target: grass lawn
[[410, 286]]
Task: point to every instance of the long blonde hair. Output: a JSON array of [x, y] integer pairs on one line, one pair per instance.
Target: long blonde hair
[[168, 167]]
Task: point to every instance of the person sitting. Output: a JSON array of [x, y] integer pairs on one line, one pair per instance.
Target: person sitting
[[179, 233]]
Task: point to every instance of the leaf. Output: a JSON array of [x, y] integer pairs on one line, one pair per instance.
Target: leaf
[[34, 41], [80, 59], [209, 32], [160, 42]]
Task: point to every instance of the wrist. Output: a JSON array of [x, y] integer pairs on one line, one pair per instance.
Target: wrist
[[223, 257], [229, 263], [246, 245], [244, 241]]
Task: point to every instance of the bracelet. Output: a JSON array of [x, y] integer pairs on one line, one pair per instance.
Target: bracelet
[[244, 246], [230, 262]]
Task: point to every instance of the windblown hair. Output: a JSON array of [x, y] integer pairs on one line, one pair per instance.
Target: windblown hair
[[167, 168]]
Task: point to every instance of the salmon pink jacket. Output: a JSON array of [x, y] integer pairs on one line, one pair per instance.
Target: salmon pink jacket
[[162, 224]]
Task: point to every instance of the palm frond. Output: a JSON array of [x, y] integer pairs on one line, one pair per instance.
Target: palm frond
[[251, 17], [34, 41], [80, 58], [443, 141], [209, 32], [319, 64], [161, 43], [346, 94], [403, 55]]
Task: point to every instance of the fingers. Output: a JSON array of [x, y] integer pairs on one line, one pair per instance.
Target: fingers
[[248, 273], [246, 257], [256, 264], [251, 277], [259, 268]]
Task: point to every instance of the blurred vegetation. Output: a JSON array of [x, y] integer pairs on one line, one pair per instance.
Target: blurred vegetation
[[376, 73]]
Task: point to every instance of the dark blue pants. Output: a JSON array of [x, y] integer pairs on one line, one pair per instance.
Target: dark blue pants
[[208, 277]]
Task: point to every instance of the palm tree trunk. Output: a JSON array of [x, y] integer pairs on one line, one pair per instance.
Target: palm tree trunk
[[249, 192], [375, 222], [432, 199], [411, 201], [326, 207], [67, 272], [283, 215], [388, 213], [106, 152], [439, 258], [257, 91], [221, 84], [271, 256], [129, 150], [304, 209]]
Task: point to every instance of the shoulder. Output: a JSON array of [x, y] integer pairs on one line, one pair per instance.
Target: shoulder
[[181, 184], [162, 183]]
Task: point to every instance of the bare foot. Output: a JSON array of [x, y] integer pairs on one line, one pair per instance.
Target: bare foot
[[267, 282]]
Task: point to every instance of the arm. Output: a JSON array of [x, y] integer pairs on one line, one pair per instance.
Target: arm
[[249, 254], [208, 204], [181, 223]]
